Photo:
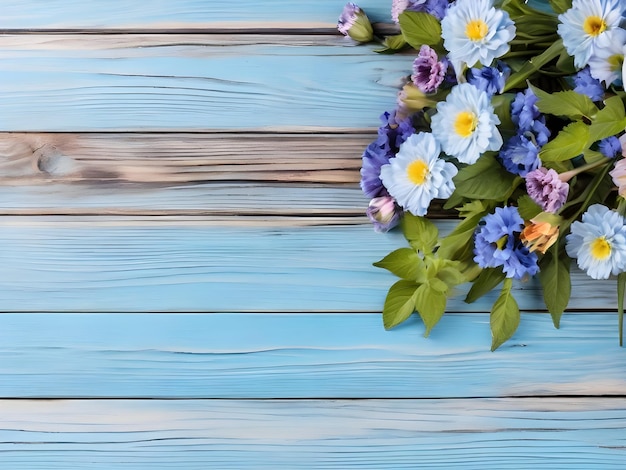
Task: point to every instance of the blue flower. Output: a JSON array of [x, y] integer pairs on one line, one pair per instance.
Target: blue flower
[[490, 79], [585, 84], [526, 116], [497, 243], [585, 23], [520, 155], [374, 157], [610, 147], [465, 124], [437, 8], [417, 175], [474, 31], [598, 242]]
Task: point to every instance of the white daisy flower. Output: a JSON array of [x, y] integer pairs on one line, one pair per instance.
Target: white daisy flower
[[585, 23], [465, 124], [474, 31], [607, 61], [598, 242], [416, 175]]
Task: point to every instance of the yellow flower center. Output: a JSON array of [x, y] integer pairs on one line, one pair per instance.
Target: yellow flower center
[[600, 248], [594, 25], [615, 62], [465, 123], [417, 171], [476, 30]]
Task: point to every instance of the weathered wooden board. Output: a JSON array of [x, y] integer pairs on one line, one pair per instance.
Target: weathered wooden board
[[571, 433], [180, 14], [193, 82], [303, 356], [228, 264], [31, 158]]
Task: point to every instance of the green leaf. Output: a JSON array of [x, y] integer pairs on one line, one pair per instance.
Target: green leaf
[[451, 275], [564, 103], [569, 143], [419, 28], [560, 6], [487, 280], [610, 120], [404, 263], [534, 65], [400, 303], [392, 44], [470, 180], [420, 232], [505, 316], [430, 303], [527, 208], [556, 282]]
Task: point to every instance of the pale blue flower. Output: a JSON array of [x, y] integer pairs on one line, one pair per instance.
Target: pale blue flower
[[417, 175], [598, 242], [474, 31], [586, 85], [585, 23], [465, 124], [608, 58]]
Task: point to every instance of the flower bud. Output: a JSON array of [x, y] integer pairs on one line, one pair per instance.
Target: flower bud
[[354, 22], [412, 99], [384, 213], [541, 233]]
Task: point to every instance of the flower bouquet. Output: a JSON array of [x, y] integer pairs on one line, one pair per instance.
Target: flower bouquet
[[513, 116]]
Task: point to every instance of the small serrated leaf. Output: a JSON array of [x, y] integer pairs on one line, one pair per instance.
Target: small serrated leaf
[[419, 28], [505, 316], [420, 232], [567, 103], [527, 208], [569, 143], [400, 303], [404, 263], [470, 180], [609, 121], [430, 304]]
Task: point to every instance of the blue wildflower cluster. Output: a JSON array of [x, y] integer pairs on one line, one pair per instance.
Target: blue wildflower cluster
[[514, 114]]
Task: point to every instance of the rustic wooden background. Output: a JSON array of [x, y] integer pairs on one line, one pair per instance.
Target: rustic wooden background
[[186, 275]]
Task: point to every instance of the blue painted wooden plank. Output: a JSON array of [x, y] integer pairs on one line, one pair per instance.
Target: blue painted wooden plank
[[234, 264], [545, 433], [303, 356], [196, 82], [160, 14]]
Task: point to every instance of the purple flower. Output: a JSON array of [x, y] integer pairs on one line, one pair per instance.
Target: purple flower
[[497, 243], [610, 147], [520, 155], [354, 22], [585, 84], [384, 213], [428, 71], [393, 132], [490, 79], [526, 116], [373, 158], [437, 8], [546, 189]]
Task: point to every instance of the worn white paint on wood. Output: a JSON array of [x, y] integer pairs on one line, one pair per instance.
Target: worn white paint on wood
[[193, 82], [180, 158], [558, 433], [128, 264], [230, 355]]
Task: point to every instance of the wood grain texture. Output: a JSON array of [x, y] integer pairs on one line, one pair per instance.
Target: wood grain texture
[[33, 158], [573, 433], [193, 82], [128, 264], [303, 356], [177, 14]]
